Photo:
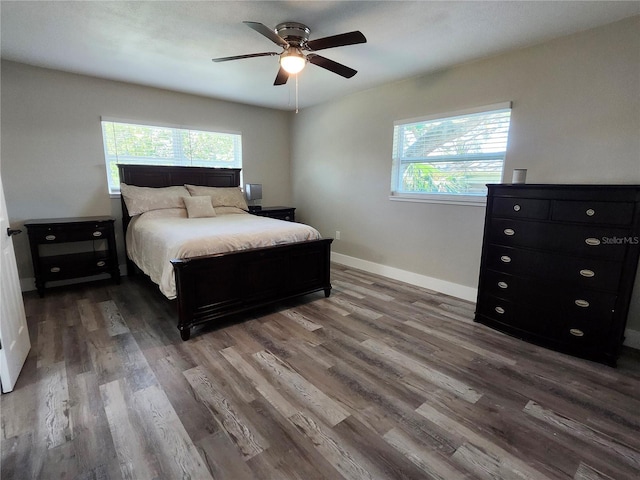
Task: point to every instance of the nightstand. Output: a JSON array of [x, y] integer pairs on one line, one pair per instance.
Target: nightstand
[[91, 248], [281, 213]]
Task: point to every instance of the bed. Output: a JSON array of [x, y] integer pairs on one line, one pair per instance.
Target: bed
[[210, 287]]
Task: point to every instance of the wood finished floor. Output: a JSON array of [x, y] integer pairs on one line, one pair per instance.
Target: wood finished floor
[[380, 381]]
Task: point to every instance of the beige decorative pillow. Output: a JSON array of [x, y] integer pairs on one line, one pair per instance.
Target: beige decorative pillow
[[145, 199], [220, 196], [199, 207]]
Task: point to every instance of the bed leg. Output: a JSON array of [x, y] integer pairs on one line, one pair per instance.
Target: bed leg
[[185, 334]]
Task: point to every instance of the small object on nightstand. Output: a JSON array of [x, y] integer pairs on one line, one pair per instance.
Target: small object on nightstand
[[82, 262], [281, 213]]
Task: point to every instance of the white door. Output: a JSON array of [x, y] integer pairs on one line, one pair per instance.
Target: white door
[[13, 323]]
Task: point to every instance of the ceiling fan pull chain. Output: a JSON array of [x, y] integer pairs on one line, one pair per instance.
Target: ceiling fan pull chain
[[296, 93]]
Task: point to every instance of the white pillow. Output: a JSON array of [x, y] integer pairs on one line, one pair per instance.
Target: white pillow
[[145, 199], [199, 207]]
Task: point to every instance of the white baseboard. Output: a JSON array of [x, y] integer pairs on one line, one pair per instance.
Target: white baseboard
[[632, 337], [436, 284]]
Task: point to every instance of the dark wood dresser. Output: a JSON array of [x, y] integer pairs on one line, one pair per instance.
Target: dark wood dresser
[[82, 257], [559, 263]]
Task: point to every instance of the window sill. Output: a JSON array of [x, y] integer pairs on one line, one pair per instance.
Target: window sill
[[468, 200]]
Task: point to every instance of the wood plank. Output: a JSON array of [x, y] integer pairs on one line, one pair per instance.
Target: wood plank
[[248, 441], [175, 451], [582, 432], [305, 392], [435, 466], [484, 466], [113, 321], [128, 440], [430, 374]]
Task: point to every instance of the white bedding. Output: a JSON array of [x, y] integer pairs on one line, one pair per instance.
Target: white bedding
[[155, 238]]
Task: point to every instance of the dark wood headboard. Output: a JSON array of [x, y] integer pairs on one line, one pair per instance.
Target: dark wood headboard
[[167, 176]]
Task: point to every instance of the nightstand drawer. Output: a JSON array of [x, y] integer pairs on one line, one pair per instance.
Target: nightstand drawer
[[57, 234], [58, 267]]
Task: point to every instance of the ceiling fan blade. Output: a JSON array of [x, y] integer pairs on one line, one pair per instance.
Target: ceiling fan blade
[[240, 57], [332, 66], [281, 77], [267, 32], [341, 40]]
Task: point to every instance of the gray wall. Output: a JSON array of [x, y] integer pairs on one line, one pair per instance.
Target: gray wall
[[575, 119], [52, 152]]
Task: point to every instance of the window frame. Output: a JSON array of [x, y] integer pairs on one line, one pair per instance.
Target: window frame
[[115, 192], [443, 198]]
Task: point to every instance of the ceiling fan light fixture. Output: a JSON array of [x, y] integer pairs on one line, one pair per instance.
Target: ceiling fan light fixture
[[293, 61]]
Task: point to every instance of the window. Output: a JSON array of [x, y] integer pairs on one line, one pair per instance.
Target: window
[[154, 145], [450, 157]]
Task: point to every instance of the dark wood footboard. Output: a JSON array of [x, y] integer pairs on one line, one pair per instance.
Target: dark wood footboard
[[215, 286]]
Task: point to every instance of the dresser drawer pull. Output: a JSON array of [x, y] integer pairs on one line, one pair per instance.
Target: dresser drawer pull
[[101, 263], [576, 332], [50, 237], [97, 233], [505, 259], [500, 310], [592, 241], [591, 212], [503, 285], [509, 231], [587, 273], [582, 303], [55, 269], [516, 207]]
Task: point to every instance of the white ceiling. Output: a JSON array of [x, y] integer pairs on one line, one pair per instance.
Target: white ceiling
[[169, 44]]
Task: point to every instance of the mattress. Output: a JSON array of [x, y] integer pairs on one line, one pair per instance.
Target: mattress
[[157, 237]]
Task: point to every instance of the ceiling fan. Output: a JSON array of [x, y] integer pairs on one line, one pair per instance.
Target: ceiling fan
[[293, 37]]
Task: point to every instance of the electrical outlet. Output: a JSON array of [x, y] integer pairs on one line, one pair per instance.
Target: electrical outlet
[[337, 234]]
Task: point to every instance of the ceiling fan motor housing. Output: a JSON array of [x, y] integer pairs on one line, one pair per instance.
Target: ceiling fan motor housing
[[296, 34]]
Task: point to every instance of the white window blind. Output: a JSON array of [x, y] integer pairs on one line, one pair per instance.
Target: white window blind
[[450, 155], [128, 143]]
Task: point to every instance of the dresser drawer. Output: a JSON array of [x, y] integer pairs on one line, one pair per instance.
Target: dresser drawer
[[577, 332], [558, 299], [514, 315], [515, 288], [520, 208], [588, 241], [69, 234], [611, 213], [559, 269]]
